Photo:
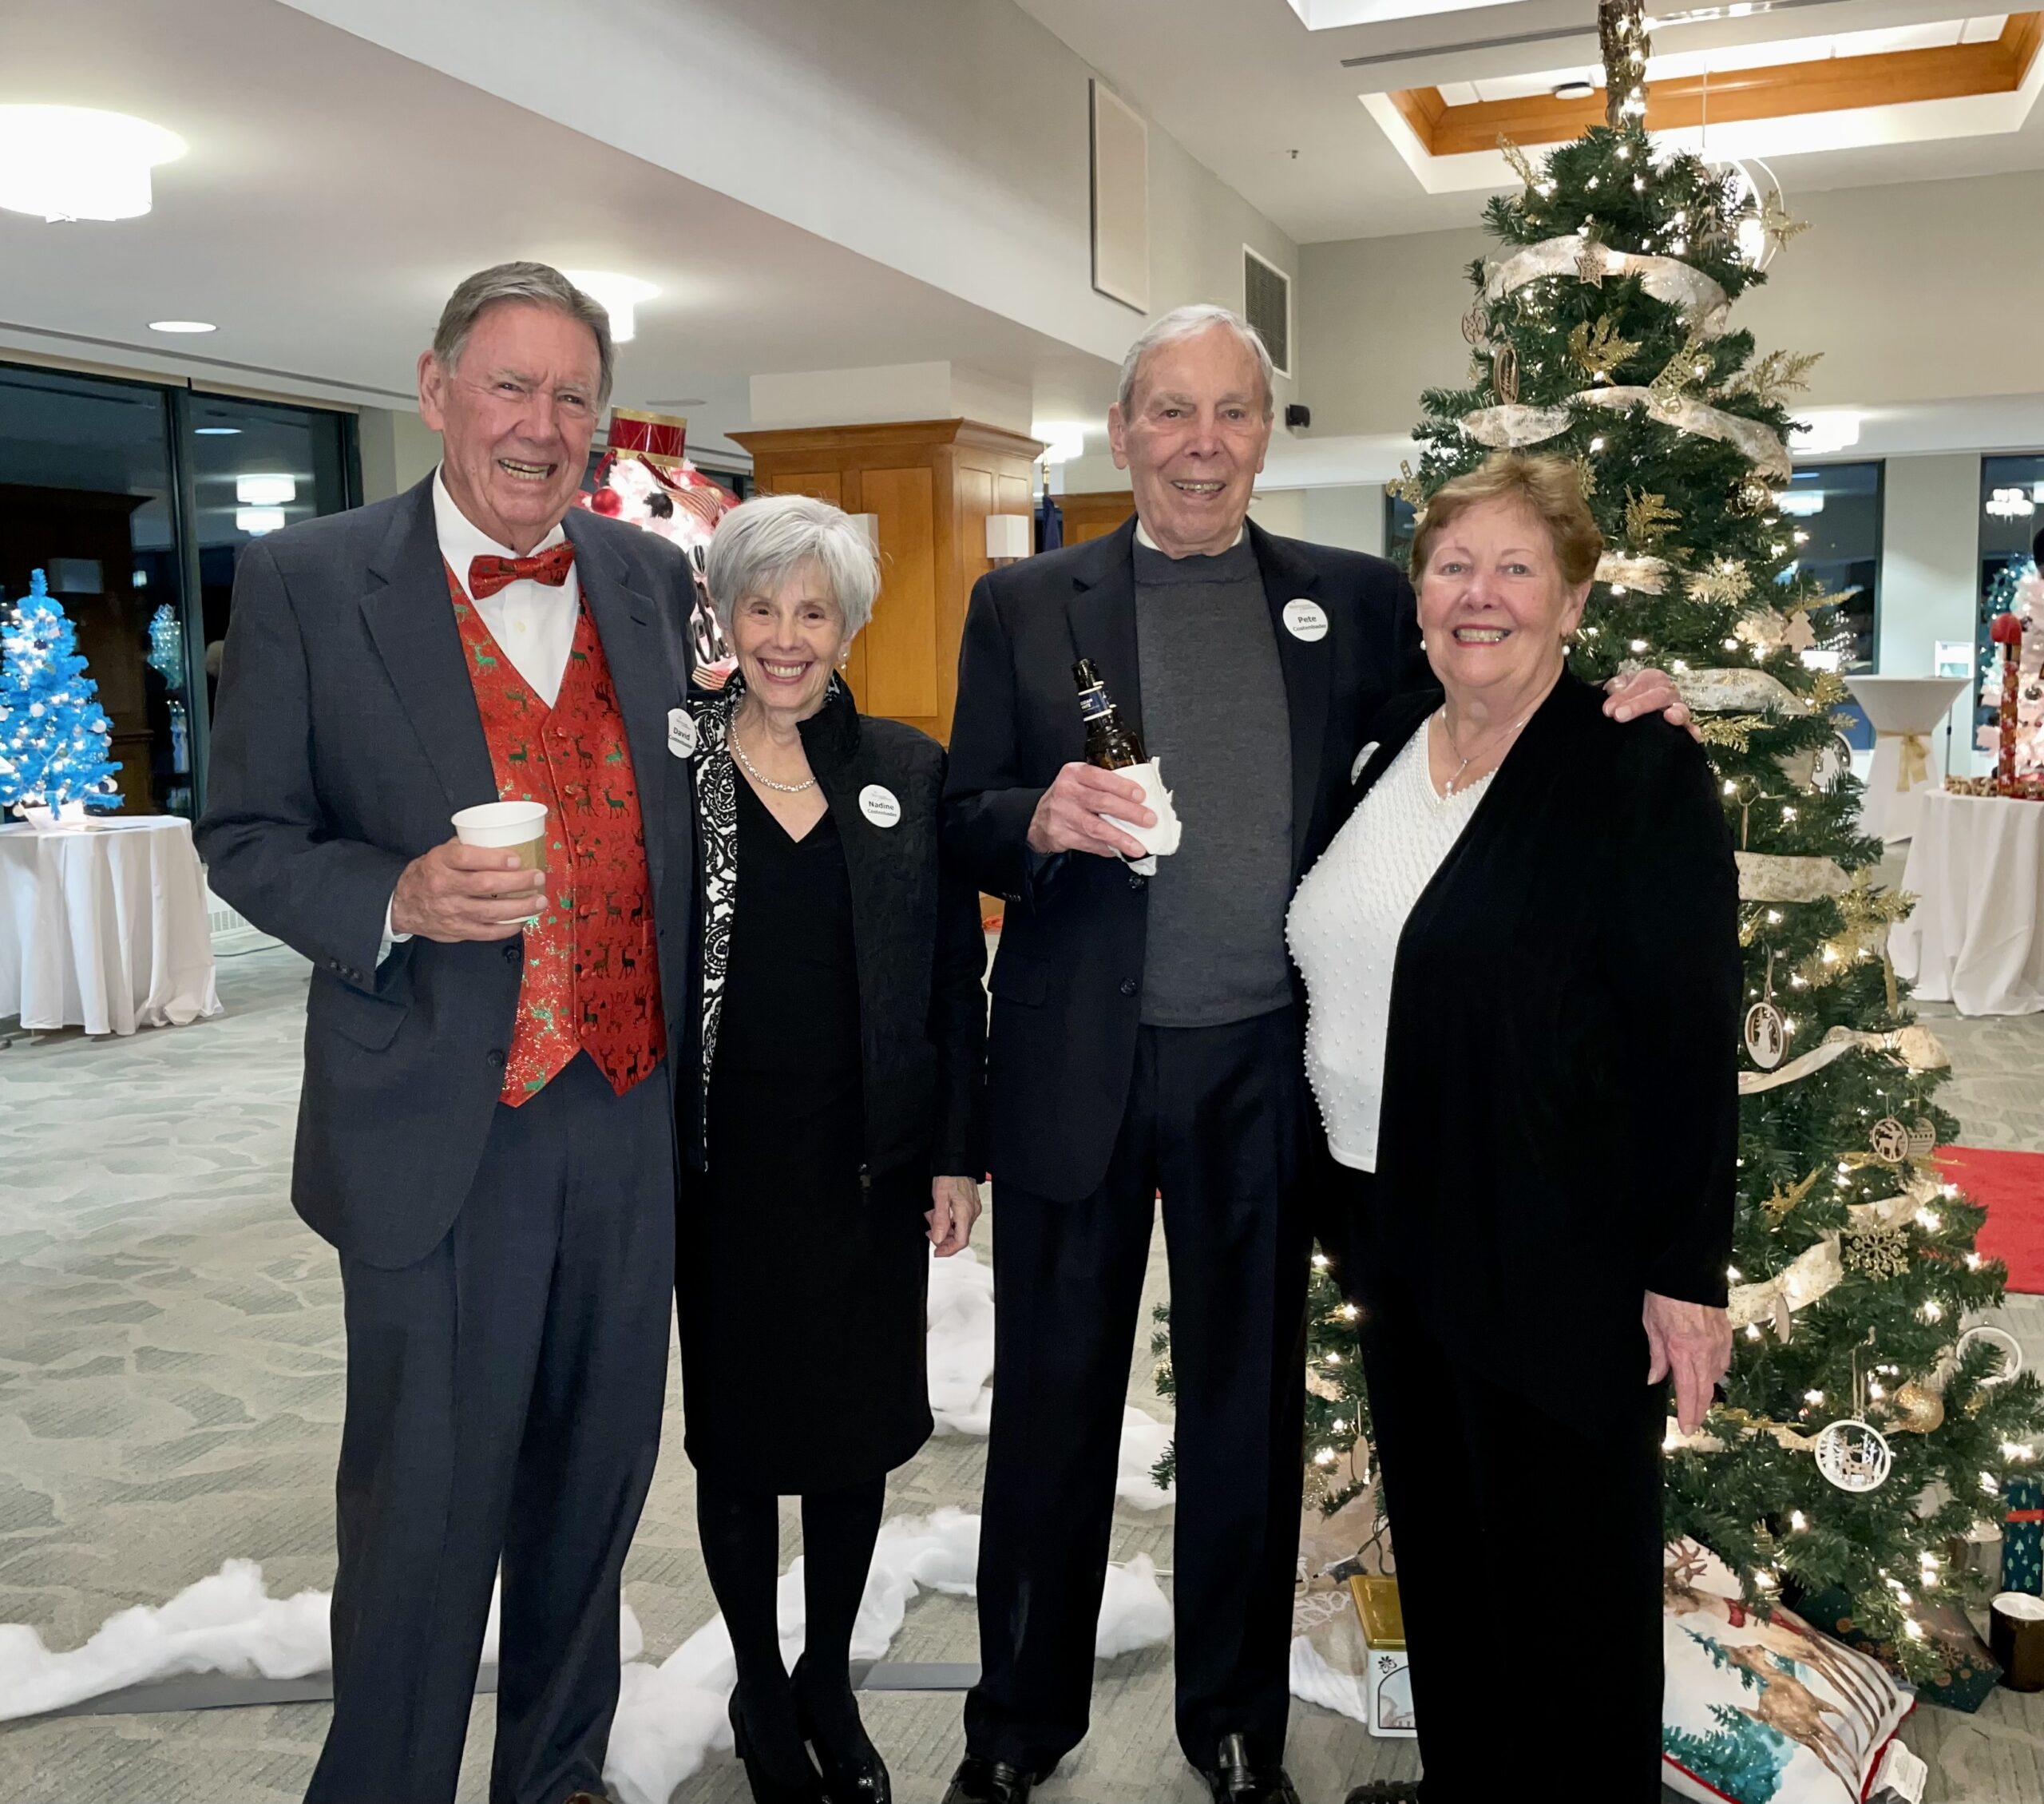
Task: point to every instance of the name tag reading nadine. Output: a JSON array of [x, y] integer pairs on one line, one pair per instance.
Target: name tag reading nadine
[[879, 805]]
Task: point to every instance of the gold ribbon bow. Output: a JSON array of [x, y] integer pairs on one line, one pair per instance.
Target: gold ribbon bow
[[1915, 765]]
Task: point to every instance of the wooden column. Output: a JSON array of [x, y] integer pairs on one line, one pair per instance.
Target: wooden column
[[931, 483]]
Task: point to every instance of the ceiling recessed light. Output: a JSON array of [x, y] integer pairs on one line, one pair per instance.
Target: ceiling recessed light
[[1574, 90], [264, 491], [181, 326], [216, 431], [257, 520], [617, 295], [78, 163]]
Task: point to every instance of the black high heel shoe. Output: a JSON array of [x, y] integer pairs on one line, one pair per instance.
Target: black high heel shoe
[[854, 1773], [766, 1788]]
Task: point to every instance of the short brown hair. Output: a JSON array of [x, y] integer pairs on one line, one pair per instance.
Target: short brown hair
[[1548, 487]]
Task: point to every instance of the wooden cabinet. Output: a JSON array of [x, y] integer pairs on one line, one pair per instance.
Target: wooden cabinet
[[930, 484], [1094, 515]]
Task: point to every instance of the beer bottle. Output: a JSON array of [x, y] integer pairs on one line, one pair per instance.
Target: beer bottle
[[1109, 744]]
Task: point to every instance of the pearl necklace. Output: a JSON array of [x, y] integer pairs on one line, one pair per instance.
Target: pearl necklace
[[759, 776]]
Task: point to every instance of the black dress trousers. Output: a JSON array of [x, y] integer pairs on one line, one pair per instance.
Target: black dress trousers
[[1486, 1493], [1215, 1120], [503, 1402]]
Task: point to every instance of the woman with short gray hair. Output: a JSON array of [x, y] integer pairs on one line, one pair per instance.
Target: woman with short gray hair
[[839, 1136]]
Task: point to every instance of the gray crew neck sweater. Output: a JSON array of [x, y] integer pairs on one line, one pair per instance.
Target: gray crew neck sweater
[[1215, 717]]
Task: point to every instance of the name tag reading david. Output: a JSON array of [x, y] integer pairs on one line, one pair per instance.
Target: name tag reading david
[[879, 806], [681, 732], [1305, 619]]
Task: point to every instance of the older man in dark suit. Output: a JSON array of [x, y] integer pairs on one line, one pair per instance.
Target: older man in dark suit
[[486, 1133], [1146, 1038]]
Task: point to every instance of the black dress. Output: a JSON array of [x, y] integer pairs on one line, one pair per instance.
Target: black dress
[[801, 1278]]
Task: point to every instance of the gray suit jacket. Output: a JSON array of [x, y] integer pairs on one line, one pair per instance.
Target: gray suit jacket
[[345, 734]]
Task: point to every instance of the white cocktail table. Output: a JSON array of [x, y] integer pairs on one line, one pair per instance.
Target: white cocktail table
[[1906, 713]]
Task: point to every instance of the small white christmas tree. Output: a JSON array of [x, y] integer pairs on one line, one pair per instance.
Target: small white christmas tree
[[53, 733]]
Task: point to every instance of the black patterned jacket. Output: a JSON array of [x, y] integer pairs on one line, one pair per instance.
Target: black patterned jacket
[[916, 932]]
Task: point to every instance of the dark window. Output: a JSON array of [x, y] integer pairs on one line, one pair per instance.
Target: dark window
[[2011, 512], [86, 495], [126, 493], [1833, 512]]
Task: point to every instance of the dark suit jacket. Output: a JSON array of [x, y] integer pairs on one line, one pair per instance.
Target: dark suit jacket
[[1560, 1124], [1067, 980], [346, 734]]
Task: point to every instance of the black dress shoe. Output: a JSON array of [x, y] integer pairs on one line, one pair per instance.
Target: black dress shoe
[[854, 1773], [1233, 1780], [993, 1782]]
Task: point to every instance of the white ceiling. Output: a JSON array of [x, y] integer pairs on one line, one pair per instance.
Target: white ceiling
[[1269, 106], [334, 192]]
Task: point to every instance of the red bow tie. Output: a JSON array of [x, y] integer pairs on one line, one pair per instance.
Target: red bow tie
[[487, 575]]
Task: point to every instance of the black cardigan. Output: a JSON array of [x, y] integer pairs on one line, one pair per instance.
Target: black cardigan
[[915, 934], [1559, 1132]]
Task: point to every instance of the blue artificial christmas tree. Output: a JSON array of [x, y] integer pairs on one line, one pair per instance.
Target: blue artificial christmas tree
[[54, 735]]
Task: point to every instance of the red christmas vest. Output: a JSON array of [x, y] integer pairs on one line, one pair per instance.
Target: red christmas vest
[[592, 978]]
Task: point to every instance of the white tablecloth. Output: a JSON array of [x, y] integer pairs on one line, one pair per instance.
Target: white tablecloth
[[1906, 714], [105, 928], [1976, 867]]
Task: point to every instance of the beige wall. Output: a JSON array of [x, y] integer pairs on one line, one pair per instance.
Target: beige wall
[[399, 449], [1926, 290]]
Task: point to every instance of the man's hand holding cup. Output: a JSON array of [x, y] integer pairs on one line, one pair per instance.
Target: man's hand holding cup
[[486, 883], [1068, 817]]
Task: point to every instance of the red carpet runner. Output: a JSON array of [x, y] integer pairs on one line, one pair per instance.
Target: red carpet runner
[[2010, 1186]]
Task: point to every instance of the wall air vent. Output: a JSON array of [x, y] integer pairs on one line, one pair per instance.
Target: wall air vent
[[1267, 306]]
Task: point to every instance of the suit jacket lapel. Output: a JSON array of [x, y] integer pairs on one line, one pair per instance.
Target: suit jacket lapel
[[1102, 614], [1308, 668], [410, 618], [627, 620]]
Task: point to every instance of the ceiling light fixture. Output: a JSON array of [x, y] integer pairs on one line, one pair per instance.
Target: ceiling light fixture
[[1575, 90], [181, 326], [257, 520], [2011, 504], [66, 163], [216, 432], [618, 295], [264, 491]]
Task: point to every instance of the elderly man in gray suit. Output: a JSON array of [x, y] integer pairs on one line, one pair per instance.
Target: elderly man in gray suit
[[486, 1133]]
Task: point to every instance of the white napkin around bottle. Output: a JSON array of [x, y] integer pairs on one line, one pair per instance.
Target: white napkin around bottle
[[1161, 840]]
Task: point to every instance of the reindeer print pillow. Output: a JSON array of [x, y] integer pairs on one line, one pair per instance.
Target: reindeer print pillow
[[1771, 1712]]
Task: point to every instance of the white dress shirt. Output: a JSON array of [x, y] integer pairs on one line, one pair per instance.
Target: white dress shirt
[[1343, 930], [533, 623]]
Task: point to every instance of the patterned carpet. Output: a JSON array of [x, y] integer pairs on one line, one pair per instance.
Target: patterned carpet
[[170, 1394]]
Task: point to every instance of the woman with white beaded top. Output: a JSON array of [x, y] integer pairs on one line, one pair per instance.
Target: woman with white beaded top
[[1522, 962]]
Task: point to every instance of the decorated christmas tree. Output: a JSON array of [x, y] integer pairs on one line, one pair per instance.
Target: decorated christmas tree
[[54, 735], [1865, 1430]]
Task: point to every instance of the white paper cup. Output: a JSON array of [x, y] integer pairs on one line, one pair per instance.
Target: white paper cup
[[509, 827]]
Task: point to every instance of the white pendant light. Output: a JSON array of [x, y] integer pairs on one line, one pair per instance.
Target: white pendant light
[[77, 163], [264, 491], [617, 295], [257, 520]]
